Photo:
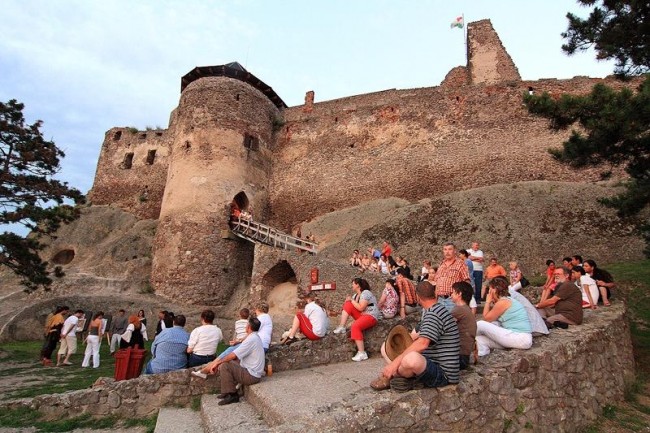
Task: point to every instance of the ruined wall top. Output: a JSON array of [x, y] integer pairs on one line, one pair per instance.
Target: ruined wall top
[[488, 61]]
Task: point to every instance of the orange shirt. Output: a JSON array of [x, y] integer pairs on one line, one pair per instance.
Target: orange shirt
[[494, 271]]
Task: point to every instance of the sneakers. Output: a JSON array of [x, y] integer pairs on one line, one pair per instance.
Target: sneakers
[[380, 384], [198, 373], [360, 356], [340, 330], [403, 384]]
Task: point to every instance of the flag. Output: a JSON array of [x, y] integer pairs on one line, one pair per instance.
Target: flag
[[458, 22]]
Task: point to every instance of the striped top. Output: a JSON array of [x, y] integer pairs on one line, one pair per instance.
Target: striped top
[[441, 329]]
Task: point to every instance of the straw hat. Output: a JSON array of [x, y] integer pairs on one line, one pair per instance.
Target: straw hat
[[397, 340]]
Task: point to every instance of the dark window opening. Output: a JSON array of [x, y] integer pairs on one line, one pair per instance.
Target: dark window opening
[[63, 257], [159, 134], [187, 146], [151, 156], [352, 145], [117, 136], [392, 110], [241, 200], [237, 97], [143, 136], [252, 143], [336, 119], [128, 160], [457, 98]]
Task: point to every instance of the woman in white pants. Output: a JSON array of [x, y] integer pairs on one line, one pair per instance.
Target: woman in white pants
[[515, 331], [93, 340]]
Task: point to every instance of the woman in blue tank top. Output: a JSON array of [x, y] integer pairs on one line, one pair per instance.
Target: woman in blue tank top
[[515, 331]]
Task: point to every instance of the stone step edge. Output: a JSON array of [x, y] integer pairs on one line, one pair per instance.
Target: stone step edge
[[256, 423]]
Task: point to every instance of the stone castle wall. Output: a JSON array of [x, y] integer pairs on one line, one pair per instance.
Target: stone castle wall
[[138, 186]]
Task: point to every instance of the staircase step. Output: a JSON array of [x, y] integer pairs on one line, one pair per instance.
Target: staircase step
[[293, 397], [178, 420], [233, 418]]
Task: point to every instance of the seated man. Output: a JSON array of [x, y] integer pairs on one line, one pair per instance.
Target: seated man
[[566, 302], [432, 360], [204, 340], [408, 299], [245, 365], [169, 349]]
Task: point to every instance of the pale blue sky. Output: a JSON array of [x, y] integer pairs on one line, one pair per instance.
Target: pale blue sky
[[85, 66]]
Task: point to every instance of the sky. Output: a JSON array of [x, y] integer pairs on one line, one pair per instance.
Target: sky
[[86, 66]]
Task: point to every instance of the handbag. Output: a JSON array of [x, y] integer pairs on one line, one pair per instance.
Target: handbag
[[524, 281]]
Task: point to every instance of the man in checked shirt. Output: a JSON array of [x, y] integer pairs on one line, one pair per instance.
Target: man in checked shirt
[[408, 299], [451, 270]]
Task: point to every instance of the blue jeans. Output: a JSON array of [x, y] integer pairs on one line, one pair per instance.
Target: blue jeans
[[147, 368], [478, 284], [432, 376], [196, 360], [227, 351]]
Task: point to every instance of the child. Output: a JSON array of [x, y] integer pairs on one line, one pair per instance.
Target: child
[[515, 276], [461, 294]]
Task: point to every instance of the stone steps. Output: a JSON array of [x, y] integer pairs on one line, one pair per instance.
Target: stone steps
[[178, 420], [235, 418]]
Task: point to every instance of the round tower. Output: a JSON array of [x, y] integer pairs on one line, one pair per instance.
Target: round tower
[[222, 131]]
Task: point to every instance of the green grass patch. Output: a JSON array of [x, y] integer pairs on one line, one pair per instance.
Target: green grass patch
[[148, 423]]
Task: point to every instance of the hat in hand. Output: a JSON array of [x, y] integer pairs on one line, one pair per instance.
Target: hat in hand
[[397, 340]]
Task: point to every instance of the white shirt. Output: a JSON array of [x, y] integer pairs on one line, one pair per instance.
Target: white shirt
[[478, 266], [318, 318], [383, 266], [593, 288], [240, 329], [266, 329], [251, 354], [70, 326], [204, 340]]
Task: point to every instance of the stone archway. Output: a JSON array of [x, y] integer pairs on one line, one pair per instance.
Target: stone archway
[[280, 290], [241, 200]]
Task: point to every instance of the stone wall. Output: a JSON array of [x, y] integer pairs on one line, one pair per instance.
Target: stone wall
[[488, 60], [139, 397], [134, 183]]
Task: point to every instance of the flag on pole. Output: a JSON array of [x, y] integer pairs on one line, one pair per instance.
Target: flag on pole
[[458, 22]]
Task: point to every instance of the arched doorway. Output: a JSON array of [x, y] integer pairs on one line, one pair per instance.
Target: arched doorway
[[241, 200], [280, 290]]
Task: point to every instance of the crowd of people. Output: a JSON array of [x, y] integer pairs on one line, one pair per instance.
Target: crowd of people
[[447, 298]]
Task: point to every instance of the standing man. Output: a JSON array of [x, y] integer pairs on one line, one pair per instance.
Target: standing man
[[118, 327], [204, 340], [245, 365], [452, 270], [169, 349], [476, 256], [161, 322], [564, 308], [408, 299], [69, 338], [432, 360]]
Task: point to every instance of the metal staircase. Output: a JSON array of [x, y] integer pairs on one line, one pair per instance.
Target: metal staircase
[[261, 233]]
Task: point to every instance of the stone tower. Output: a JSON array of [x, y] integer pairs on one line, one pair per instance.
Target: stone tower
[[488, 61], [221, 151]]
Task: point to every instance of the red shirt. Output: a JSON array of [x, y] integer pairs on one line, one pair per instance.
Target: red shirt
[[387, 251], [448, 274]]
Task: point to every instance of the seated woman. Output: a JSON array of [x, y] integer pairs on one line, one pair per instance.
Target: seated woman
[[365, 262], [426, 270], [362, 307], [603, 279], [312, 322], [587, 286], [515, 276], [515, 331], [389, 301], [374, 265], [549, 285], [132, 337], [355, 260], [382, 264]]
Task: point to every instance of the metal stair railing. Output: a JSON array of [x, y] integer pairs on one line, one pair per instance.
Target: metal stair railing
[[254, 231]]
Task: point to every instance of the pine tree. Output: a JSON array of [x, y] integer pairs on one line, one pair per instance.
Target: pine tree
[[614, 125], [29, 196]]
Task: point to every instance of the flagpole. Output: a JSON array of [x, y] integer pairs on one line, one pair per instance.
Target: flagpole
[[465, 37]]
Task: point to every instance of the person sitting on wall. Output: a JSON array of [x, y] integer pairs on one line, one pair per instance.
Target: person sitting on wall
[[461, 295], [432, 359], [374, 265], [375, 253], [363, 309], [549, 284], [365, 263], [266, 328], [239, 333], [515, 276], [169, 349], [355, 260], [408, 299], [204, 340], [564, 308], [587, 287], [426, 270], [389, 300], [312, 322], [244, 366], [604, 280], [386, 249], [514, 331], [382, 264]]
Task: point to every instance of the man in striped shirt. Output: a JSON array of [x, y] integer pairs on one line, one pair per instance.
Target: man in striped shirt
[[432, 360]]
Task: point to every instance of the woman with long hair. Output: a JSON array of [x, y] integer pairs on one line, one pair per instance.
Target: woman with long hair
[[92, 341]]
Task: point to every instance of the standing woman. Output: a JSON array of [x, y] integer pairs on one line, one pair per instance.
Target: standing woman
[[133, 335], [143, 328], [53, 334], [362, 307], [515, 331], [92, 341]]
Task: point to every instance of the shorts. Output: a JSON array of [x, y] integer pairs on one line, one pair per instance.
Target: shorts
[[432, 376], [68, 345]]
